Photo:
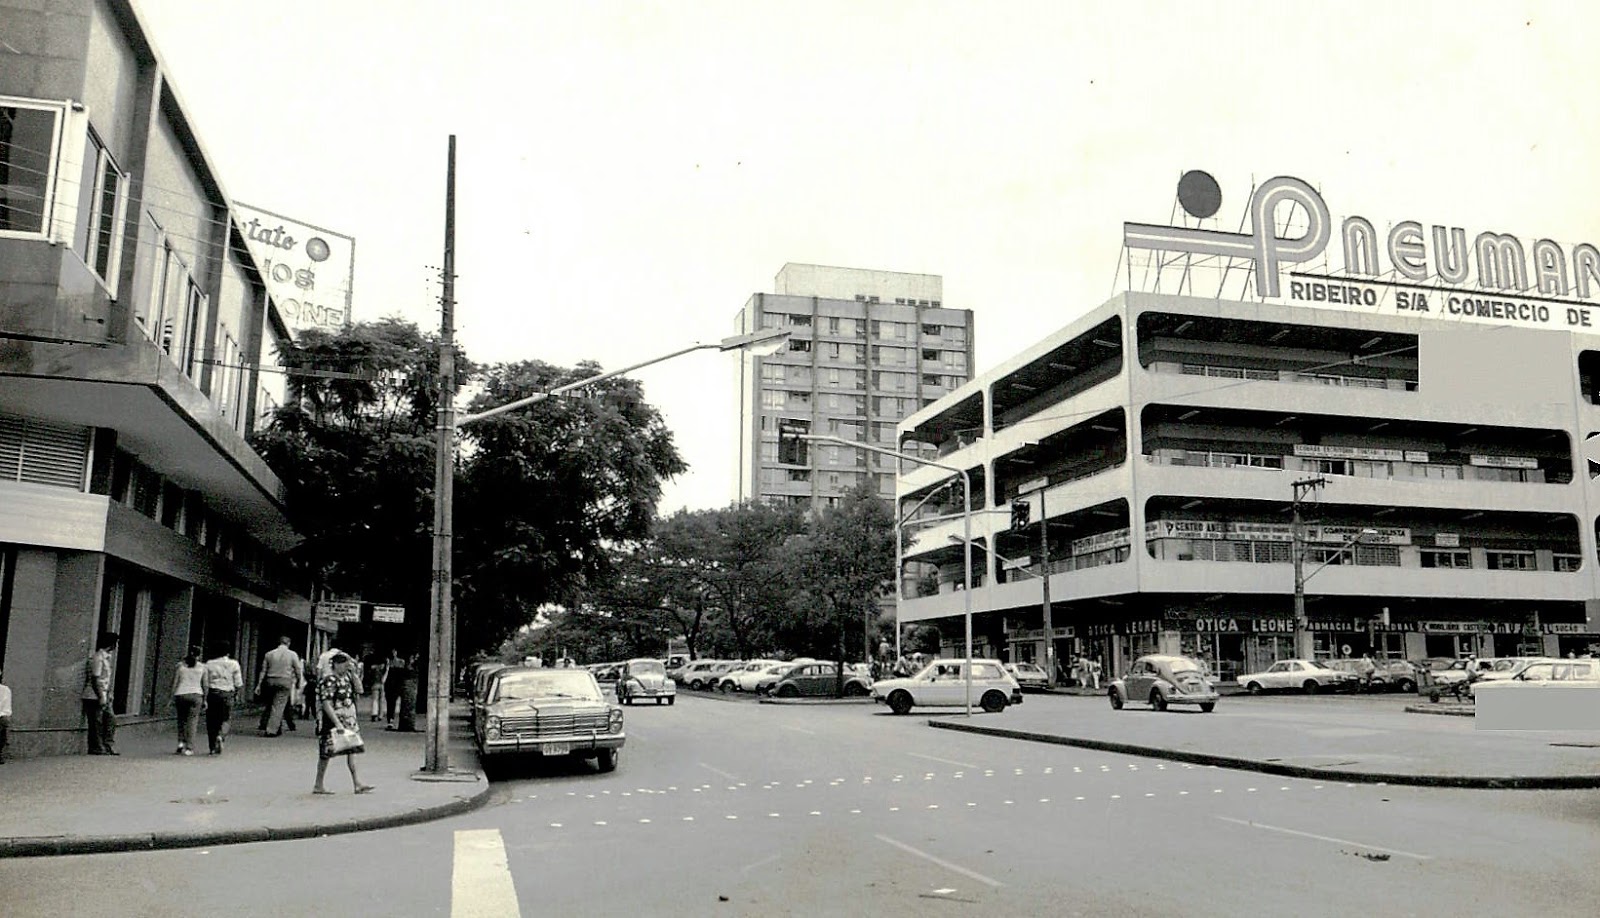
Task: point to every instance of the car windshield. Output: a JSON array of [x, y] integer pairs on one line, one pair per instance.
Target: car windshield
[[1186, 666], [532, 686], [1028, 668], [647, 668]]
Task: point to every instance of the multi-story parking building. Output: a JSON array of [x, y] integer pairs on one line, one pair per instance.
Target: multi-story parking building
[[1437, 462], [133, 324], [866, 348]]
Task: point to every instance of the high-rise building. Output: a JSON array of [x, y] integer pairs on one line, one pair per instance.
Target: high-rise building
[[866, 349]]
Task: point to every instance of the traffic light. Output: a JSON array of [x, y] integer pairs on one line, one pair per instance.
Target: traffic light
[[1020, 514]]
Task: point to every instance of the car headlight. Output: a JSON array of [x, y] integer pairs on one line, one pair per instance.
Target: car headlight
[[492, 731], [616, 721]]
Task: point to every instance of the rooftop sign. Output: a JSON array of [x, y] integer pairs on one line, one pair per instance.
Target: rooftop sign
[[1433, 271]]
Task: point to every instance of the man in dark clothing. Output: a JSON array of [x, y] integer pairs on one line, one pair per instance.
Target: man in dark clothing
[[394, 682], [96, 696]]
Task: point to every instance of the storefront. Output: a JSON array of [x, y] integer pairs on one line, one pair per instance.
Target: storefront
[[1575, 639], [1026, 645], [1455, 638], [1134, 640], [1333, 639]]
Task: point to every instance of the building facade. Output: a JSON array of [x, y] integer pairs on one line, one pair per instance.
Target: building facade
[[866, 349], [134, 327], [1162, 444]]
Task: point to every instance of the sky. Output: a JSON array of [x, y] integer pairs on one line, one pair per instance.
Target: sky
[[630, 173]]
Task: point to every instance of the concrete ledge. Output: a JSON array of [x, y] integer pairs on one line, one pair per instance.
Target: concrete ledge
[[1449, 710], [1509, 782], [766, 699], [45, 846]]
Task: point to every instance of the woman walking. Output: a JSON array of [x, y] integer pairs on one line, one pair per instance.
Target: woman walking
[[225, 680], [338, 722], [189, 684]]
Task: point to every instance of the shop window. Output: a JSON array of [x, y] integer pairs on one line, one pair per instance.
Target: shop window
[[29, 134]]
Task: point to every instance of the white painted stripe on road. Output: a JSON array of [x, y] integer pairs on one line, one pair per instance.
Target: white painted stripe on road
[[718, 771], [970, 874], [480, 878], [934, 758], [1326, 838]]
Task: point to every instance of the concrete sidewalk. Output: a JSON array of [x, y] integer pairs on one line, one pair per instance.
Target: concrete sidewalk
[[1367, 739], [259, 789]]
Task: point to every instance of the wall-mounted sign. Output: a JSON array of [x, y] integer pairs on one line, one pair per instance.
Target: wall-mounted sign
[[1568, 628], [1100, 541], [1414, 455], [1272, 625], [1261, 532], [1487, 277], [1342, 627], [394, 615], [309, 270], [1319, 451], [1189, 529], [1387, 535], [339, 611], [1447, 540], [1452, 627], [1504, 462]]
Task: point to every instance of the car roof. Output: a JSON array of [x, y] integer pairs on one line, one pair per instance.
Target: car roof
[[1166, 658]]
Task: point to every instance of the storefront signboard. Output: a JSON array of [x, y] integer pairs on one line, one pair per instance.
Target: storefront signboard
[[1142, 626], [1318, 451], [339, 611], [1393, 627], [1261, 532], [1335, 625], [1392, 535], [394, 615], [1037, 634], [1190, 529], [308, 270], [1100, 541], [1101, 630], [1447, 540], [1413, 455], [1569, 628], [1452, 627], [1272, 625], [1504, 462]]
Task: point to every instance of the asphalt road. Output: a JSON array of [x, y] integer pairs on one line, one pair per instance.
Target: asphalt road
[[730, 808]]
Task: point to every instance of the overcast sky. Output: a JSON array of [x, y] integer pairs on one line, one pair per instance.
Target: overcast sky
[[630, 173]]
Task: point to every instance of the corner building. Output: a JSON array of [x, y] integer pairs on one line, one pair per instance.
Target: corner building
[[1161, 438], [866, 349], [134, 327]]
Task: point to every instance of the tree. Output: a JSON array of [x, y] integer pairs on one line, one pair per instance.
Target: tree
[[843, 562]]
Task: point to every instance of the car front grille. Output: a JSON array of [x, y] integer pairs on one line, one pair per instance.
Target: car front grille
[[538, 725]]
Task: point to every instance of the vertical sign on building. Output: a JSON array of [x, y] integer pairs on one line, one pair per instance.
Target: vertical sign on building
[[308, 270]]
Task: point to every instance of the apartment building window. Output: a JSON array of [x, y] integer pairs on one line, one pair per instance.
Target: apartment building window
[[800, 346], [800, 321], [930, 379], [932, 331], [171, 505], [930, 354], [886, 484], [833, 455], [833, 325], [772, 372], [833, 376], [772, 398], [799, 474], [833, 350], [769, 452], [955, 360], [36, 452], [1566, 563], [833, 402], [102, 196], [954, 333], [29, 145], [833, 480], [1511, 561], [800, 399], [1432, 557]]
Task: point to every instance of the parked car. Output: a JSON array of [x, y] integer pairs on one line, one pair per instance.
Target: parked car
[[644, 679], [743, 678], [1510, 668], [770, 676], [943, 683], [1540, 671], [1029, 676], [529, 711], [1161, 680], [675, 668], [820, 680], [1395, 676], [703, 674], [1309, 676], [1364, 670]]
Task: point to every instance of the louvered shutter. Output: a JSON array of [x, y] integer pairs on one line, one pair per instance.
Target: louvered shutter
[[41, 453]]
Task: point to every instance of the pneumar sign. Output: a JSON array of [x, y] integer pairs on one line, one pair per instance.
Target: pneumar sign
[[1439, 271]]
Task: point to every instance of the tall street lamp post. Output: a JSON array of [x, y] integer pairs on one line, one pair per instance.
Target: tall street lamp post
[[966, 526], [441, 614]]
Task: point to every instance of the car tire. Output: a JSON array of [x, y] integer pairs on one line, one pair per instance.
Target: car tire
[[1253, 688], [694, 684], [900, 702], [1405, 686], [606, 761], [788, 691], [855, 690], [1158, 700], [993, 702], [658, 702], [1206, 707], [672, 700], [1310, 687], [1116, 699]]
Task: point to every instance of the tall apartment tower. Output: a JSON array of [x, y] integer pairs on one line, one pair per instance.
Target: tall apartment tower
[[866, 349]]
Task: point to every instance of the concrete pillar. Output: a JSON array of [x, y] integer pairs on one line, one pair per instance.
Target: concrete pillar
[[55, 609]]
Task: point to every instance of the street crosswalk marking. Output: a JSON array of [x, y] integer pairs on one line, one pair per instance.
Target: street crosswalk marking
[[480, 878]]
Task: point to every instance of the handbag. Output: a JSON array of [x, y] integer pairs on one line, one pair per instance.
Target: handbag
[[343, 740]]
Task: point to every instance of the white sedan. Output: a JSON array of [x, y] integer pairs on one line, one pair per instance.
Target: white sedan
[[1308, 676], [943, 683]]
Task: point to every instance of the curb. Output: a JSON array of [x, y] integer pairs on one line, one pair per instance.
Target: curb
[[814, 702], [1439, 709], [1476, 782], [57, 845]]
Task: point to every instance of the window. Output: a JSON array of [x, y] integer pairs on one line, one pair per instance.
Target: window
[[1330, 466], [800, 321], [28, 150], [1451, 559], [833, 350], [931, 330], [1567, 563], [772, 398], [799, 474], [799, 345], [930, 354], [833, 375], [40, 453], [1438, 472], [1511, 561], [932, 380], [955, 360], [101, 198], [771, 372]]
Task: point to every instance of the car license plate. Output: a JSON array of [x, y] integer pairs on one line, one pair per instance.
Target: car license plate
[[557, 748]]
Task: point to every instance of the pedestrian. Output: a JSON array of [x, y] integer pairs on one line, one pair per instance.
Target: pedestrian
[[339, 722], [282, 674], [1094, 675], [5, 717], [379, 669], [394, 683], [189, 684], [96, 696], [226, 679]]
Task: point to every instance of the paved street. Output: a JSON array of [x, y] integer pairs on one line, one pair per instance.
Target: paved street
[[842, 810]]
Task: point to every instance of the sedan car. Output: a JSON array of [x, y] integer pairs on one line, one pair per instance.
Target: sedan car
[[703, 674], [645, 679], [943, 683], [1161, 680], [820, 680], [528, 711], [1309, 676], [743, 678], [1029, 676]]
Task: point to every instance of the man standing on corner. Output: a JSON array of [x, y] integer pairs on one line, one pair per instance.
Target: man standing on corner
[[97, 696], [282, 674]]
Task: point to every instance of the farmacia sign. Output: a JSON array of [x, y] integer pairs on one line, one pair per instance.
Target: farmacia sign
[[1434, 270]]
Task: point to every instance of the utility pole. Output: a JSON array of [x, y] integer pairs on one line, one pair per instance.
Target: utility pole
[[1297, 532], [1044, 566], [441, 617]]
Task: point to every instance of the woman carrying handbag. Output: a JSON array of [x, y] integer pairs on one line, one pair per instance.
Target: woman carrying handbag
[[338, 721]]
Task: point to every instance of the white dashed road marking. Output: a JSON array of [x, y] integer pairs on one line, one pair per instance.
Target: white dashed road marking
[[970, 874], [1327, 838], [480, 878]]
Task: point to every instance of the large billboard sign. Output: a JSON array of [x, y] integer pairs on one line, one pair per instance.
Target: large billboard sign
[[308, 270], [1433, 271]]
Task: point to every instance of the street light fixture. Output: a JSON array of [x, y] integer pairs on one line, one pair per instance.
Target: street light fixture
[[966, 525], [441, 614]]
